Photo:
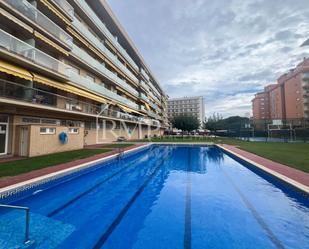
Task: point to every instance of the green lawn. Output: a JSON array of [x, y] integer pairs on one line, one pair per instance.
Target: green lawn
[[25, 165], [295, 155], [117, 145]]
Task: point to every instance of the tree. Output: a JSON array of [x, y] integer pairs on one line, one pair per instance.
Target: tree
[[233, 123], [213, 122], [186, 122]]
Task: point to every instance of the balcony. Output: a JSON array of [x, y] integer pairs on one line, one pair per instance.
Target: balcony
[[80, 53], [144, 85], [102, 27], [28, 10], [88, 84], [152, 114], [66, 7], [142, 108], [14, 91], [154, 106], [144, 97], [31, 95], [154, 97], [100, 46], [155, 89], [16, 46], [145, 74]]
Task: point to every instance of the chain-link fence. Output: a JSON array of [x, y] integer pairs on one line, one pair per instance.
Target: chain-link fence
[[287, 130]]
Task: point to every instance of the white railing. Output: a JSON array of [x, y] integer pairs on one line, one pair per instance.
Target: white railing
[[100, 46], [43, 21], [88, 59], [145, 74], [89, 84], [36, 56], [66, 7], [96, 20]]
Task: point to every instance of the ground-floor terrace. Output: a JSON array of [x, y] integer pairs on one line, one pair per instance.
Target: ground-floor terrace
[[30, 132], [28, 128]]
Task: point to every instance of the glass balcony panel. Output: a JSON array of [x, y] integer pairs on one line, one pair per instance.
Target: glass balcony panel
[[86, 83], [99, 45], [100, 67], [66, 7], [19, 47], [144, 97], [145, 74], [43, 21], [31, 95], [96, 20]]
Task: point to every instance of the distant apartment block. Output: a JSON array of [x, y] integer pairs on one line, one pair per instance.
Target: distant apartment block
[[287, 99], [194, 106], [64, 66]]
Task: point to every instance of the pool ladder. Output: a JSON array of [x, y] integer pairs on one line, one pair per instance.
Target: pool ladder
[[120, 153], [27, 223]]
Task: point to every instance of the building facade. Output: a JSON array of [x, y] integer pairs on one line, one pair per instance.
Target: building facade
[[68, 67], [194, 106], [286, 100]]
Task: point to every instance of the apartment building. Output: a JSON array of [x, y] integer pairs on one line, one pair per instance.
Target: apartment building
[[288, 99], [186, 106], [68, 68]]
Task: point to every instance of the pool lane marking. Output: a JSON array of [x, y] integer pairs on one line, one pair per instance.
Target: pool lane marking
[[188, 228], [87, 191], [123, 212], [255, 214]]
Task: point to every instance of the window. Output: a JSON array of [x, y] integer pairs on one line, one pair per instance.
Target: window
[[73, 130], [45, 130]]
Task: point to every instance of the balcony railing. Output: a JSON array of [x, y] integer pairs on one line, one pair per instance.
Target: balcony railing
[[64, 5], [144, 97], [101, 68], [144, 85], [99, 45], [36, 56], [155, 89], [88, 84], [96, 20], [152, 114], [145, 74], [153, 105], [154, 97], [38, 97], [39, 18]]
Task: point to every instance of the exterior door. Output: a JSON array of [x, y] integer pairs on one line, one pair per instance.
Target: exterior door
[[24, 141], [3, 138]]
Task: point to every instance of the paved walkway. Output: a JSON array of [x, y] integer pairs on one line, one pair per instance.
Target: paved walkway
[[10, 180], [294, 174]]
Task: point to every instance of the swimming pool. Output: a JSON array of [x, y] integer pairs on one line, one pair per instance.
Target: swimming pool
[[163, 197]]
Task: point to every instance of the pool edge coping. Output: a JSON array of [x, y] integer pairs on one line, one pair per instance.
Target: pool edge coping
[[274, 173], [21, 186]]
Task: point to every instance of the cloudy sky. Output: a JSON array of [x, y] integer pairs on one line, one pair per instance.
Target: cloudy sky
[[224, 50]]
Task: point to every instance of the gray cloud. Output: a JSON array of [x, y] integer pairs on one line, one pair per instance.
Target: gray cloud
[[225, 50]]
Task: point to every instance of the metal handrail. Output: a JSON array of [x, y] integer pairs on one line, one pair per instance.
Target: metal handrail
[[27, 218]]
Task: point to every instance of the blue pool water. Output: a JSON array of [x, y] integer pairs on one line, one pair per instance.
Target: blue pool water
[[163, 197]]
